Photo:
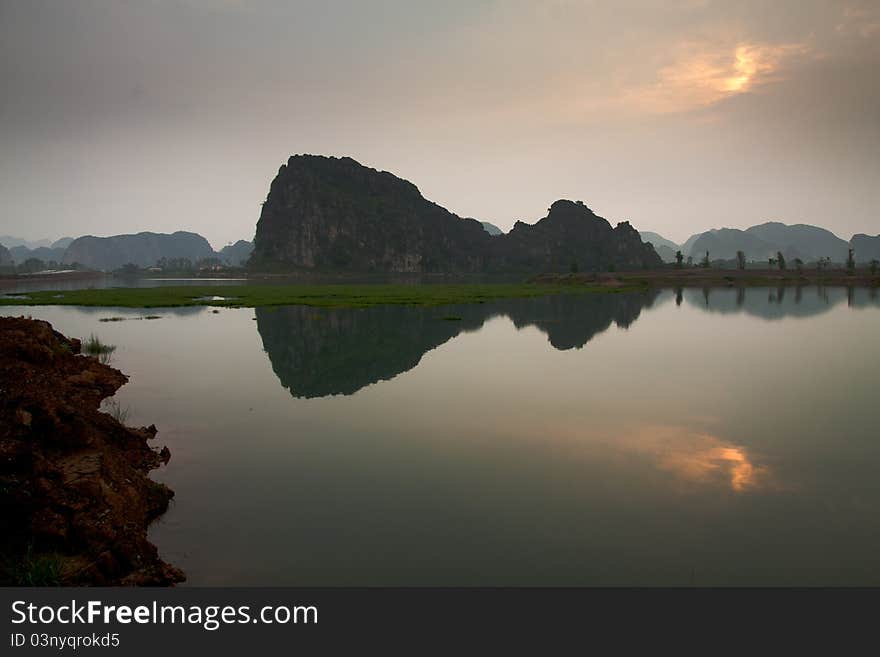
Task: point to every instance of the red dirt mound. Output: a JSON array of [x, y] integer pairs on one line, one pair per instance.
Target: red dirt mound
[[75, 499]]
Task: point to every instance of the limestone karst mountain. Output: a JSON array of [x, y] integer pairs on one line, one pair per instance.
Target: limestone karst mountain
[[325, 213]]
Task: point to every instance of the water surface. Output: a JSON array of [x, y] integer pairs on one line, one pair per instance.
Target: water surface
[[700, 437]]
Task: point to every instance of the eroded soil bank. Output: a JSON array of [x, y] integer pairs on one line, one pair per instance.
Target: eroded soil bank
[[75, 498]]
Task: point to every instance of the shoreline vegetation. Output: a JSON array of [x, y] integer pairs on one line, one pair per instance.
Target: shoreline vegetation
[[326, 296], [362, 295]]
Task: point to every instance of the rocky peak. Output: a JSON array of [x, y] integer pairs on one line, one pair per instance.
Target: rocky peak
[[332, 213]]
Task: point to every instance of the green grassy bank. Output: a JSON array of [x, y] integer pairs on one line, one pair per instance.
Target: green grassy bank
[[349, 296]]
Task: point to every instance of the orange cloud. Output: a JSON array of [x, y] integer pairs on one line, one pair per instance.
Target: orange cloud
[[700, 458], [701, 75]]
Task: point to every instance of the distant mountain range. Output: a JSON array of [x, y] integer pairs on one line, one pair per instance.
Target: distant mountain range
[[236, 254], [44, 253], [110, 253], [330, 213], [664, 248], [866, 248], [143, 249], [809, 243], [327, 213], [10, 241]]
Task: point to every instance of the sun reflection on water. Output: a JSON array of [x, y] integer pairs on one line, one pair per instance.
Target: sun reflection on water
[[701, 458]]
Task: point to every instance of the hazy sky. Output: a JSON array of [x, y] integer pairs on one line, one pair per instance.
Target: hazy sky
[[126, 115]]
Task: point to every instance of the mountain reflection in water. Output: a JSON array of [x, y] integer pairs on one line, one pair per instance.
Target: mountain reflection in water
[[316, 352], [599, 439], [778, 302]]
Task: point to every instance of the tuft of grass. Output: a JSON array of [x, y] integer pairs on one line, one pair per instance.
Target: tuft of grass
[[116, 411], [101, 351], [451, 318], [34, 569]]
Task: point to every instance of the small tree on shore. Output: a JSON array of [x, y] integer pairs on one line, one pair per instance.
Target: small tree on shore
[[678, 258], [780, 260], [690, 261], [874, 264], [705, 263], [851, 260], [798, 264], [740, 260]]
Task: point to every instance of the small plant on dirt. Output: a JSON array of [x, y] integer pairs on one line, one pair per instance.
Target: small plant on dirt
[[116, 411], [33, 569], [98, 350]]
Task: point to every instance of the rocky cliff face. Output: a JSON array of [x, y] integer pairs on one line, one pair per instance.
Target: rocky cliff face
[[335, 214], [329, 213], [572, 236]]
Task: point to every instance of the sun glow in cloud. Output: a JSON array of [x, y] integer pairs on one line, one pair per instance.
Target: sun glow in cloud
[[701, 75], [745, 67]]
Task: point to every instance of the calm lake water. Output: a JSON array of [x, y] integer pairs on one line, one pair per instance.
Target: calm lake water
[[708, 438]]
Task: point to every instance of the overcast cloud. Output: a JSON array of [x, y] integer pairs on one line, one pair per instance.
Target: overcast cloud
[[127, 115]]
